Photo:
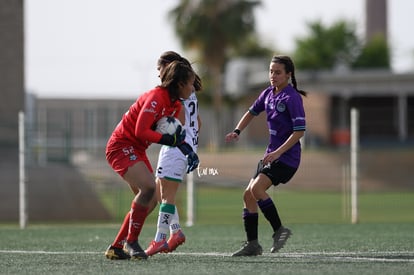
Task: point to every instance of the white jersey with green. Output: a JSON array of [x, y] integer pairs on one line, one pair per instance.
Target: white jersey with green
[[172, 164]]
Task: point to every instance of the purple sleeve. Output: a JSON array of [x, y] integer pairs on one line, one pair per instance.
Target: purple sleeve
[[259, 105], [297, 113]]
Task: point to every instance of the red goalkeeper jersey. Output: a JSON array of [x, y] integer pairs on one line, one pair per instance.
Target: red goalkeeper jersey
[[138, 123]]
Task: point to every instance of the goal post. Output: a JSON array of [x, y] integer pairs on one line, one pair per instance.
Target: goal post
[[190, 199], [22, 172], [354, 164]]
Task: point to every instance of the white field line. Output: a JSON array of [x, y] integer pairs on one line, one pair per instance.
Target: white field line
[[373, 256], [48, 252]]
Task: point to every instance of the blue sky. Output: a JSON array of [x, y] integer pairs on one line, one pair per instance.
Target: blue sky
[[109, 48]]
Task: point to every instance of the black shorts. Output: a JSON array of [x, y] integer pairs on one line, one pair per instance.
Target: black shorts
[[277, 172]]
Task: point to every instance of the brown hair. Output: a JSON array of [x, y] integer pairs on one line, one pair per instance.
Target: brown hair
[[170, 56], [289, 68], [176, 73]]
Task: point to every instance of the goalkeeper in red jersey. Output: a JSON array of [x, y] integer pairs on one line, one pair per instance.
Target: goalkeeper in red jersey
[[126, 151]]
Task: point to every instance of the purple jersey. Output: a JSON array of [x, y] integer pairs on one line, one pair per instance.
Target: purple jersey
[[285, 114]]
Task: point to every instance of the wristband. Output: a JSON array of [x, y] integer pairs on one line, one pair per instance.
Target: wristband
[[237, 131]]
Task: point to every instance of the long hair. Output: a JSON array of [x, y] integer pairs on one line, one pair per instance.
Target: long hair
[[289, 68], [170, 56], [176, 73]]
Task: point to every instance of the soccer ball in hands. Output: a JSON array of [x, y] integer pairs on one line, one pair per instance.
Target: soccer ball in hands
[[168, 125]]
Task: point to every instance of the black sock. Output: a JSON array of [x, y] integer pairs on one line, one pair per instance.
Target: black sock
[[251, 221], [270, 212]]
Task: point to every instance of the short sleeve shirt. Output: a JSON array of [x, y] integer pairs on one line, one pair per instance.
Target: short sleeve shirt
[[285, 114]]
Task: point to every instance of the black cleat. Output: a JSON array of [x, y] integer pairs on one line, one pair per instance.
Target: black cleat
[[279, 238], [135, 251], [115, 253], [251, 248]]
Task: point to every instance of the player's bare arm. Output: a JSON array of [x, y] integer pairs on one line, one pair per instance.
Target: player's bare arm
[[292, 140]]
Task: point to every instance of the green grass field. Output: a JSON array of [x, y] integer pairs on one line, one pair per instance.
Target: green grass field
[[224, 206], [323, 241], [313, 249]]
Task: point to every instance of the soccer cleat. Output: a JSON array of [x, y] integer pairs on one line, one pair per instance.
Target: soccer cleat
[[157, 247], [115, 253], [176, 239], [135, 251], [251, 248], [279, 238]]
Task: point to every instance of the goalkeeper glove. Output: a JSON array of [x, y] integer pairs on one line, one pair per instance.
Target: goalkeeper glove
[[173, 140], [192, 157]]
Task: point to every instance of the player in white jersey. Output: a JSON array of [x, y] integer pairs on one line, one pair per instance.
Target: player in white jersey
[[172, 164], [172, 167]]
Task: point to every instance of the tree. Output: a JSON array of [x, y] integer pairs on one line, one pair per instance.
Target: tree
[[375, 54], [326, 47], [213, 29]]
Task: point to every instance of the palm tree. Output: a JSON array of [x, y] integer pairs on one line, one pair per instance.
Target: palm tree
[[213, 29]]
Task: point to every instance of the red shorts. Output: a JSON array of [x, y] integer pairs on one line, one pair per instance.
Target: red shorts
[[120, 158]]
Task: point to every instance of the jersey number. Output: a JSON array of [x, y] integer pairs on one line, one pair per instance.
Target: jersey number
[[192, 107]]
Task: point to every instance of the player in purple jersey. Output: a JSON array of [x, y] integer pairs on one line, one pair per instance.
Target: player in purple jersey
[[283, 105]]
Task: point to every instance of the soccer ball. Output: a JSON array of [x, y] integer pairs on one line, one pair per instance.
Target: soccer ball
[[167, 125]]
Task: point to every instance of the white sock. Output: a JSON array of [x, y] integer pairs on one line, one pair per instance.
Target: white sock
[[175, 222], [165, 215]]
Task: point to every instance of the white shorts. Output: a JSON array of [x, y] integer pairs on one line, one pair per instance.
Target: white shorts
[[172, 164]]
